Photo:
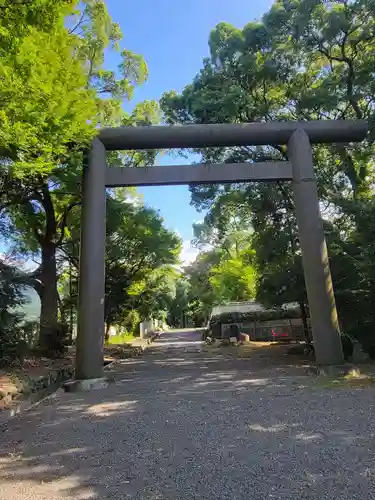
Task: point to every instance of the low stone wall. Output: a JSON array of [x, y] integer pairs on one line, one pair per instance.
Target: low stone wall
[[20, 391], [18, 394]]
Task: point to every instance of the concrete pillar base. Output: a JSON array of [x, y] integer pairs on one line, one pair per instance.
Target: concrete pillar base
[[87, 385]]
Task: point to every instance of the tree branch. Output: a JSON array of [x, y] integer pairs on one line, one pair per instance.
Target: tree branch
[[80, 21], [49, 210], [63, 222]]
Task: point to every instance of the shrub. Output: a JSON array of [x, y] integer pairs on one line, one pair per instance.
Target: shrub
[[131, 321], [58, 341], [11, 296], [364, 333]]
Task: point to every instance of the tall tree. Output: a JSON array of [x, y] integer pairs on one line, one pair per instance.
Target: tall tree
[[139, 254], [41, 187], [46, 105], [304, 60], [233, 278]]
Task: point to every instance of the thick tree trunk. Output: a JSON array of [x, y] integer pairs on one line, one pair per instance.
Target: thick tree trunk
[[49, 328]]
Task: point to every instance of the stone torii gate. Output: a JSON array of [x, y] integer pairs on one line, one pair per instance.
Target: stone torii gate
[[298, 136]]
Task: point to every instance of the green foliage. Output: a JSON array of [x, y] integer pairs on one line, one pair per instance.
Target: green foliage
[[178, 306], [201, 295], [130, 321], [56, 88], [226, 273], [11, 297], [232, 273], [140, 253], [125, 338], [46, 105], [233, 279], [303, 60]]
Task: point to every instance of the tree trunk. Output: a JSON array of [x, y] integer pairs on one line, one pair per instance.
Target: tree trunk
[[106, 335], [62, 310], [49, 328], [304, 322]]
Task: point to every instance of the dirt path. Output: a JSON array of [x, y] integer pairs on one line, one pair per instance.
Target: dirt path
[[182, 423]]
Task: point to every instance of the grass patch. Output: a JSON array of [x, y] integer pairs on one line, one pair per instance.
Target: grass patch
[[120, 339], [352, 380]]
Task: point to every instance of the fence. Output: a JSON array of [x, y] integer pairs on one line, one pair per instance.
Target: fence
[[291, 329]]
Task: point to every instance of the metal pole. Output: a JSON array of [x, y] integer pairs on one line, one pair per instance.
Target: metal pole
[[323, 314], [90, 337]]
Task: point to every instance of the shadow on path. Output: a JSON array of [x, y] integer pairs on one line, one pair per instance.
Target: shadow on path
[[184, 425]]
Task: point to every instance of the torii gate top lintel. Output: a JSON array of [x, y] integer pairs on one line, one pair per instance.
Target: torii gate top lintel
[[230, 134]]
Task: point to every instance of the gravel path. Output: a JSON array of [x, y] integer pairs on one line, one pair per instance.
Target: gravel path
[[180, 424]]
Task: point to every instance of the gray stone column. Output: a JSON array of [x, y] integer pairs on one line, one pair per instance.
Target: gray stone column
[[90, 337], [322, 306]]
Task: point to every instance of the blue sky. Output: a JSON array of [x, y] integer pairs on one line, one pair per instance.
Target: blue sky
[[173, 38]]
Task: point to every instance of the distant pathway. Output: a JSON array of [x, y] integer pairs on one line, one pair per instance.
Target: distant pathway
[[181, 424]]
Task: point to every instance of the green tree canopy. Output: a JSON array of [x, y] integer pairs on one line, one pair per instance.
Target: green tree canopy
[[303, 60], [46, 104], [140, 255], [57, 89]]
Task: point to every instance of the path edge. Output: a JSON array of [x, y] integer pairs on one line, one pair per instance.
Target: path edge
[[38, 398]]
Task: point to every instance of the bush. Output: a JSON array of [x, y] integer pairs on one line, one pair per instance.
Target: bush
[[58, 340], [29, 332], [131, 321], [11, 296], [347, 346], [12, 347], [308, 349], [364, 333]]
